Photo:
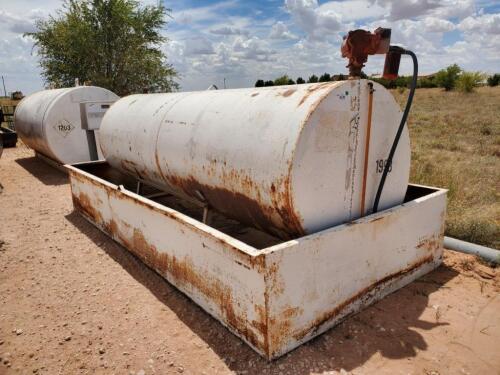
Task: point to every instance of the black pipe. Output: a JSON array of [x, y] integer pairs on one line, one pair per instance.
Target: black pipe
[[401, 125]]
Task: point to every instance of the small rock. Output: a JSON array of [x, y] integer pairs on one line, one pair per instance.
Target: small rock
[[67, 338], [102, 350], [180, 369], [19, 332]]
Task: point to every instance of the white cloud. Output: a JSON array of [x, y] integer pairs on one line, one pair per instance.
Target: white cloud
[[406, 9], [198, 46], [318, 23], [485, 23], [210, 12], [280, 31], [228, 30], [353, 10], [438, 25]]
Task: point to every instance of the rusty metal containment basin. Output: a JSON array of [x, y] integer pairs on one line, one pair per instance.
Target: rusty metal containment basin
[[277, 294], [49, 122], [285, 159]]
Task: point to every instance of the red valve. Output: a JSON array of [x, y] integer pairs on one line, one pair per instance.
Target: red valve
[[358, 44]]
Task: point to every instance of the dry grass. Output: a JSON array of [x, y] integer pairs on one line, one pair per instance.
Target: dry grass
[[456, 144]]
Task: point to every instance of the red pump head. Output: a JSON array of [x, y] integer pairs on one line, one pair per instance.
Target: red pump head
[[358, 44]]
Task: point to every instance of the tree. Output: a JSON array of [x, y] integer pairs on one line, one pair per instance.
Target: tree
[[312, 79], [300, 81], [494, 80], [447, 78], [111, 43], [325, 77], [269, 83], [468, 81], [259, 83], [283, 80]]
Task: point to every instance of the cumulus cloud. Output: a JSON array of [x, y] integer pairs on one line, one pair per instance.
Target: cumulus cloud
[[198, 46], [203, 13], [484, 23], [438, 25], [407, 9], [20, 24], [280, 31], [318, 23], [228, 30]]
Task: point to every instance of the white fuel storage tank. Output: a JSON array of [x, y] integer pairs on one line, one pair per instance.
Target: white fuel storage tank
[[287, 159], [49, 121]]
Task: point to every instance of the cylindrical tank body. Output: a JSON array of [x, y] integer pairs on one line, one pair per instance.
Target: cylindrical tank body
[[286, 159], [49, 121]]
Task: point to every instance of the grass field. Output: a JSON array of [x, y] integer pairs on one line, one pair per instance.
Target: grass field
[[456, 144]]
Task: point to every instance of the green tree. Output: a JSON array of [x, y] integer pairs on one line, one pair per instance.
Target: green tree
[[300, 81], [494, 80], [259, 83], [468, 81], [283, 80], [269, 83], [111, 43], [447, 78], [312, 79], [325, 77]]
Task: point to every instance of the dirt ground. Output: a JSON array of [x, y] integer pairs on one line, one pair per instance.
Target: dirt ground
[[74, 302]]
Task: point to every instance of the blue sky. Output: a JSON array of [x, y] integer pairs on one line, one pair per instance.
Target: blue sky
[[242, 41]]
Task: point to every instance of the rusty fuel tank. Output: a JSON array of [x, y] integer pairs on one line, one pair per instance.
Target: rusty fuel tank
[[289, 159]]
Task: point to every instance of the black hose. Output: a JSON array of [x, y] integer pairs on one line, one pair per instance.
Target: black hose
[[388, 164]]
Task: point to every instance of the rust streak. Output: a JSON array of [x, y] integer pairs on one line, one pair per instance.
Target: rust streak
[[83, 204], [184, 274], [364, 294]]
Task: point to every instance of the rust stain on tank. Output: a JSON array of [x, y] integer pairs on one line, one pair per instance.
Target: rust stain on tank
[[83, 204], [430, 244], [286, 93], [364, 295], [184, 274], [131, 167], [241, 206], [281, 325], [311, 90]]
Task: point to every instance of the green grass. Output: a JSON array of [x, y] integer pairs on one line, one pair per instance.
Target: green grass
[[456, 145]]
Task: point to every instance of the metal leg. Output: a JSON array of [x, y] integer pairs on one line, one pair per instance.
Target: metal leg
[[206, 215]]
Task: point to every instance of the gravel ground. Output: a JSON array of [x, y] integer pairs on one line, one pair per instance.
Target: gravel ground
[[72, 301]]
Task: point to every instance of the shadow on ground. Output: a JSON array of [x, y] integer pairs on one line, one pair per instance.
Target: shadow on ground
[[385, 327], [44, 172]]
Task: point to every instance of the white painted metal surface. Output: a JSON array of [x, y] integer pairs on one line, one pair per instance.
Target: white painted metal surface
[[278, 297], [49, 121], [288, 157]]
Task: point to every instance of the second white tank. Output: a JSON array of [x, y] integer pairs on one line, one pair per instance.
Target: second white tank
[[49, 121]]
